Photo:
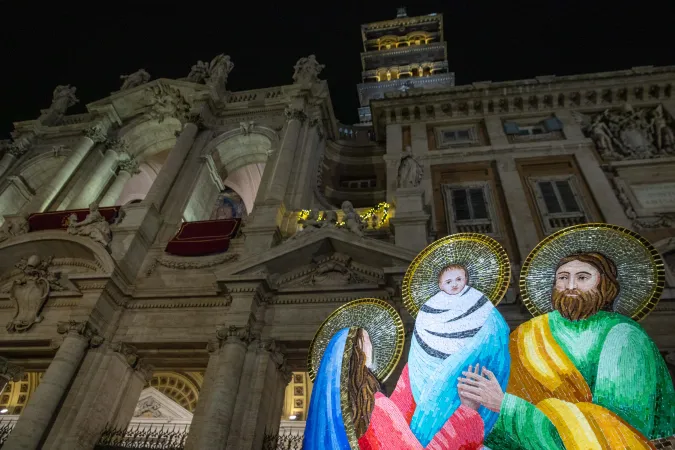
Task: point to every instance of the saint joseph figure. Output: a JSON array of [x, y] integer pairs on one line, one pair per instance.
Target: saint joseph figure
[[582, 376]]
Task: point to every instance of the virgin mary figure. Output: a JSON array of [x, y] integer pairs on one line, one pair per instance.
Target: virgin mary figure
[[355, 349], [452, 288]]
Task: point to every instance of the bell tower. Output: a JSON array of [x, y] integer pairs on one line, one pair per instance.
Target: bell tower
[[400, 54]]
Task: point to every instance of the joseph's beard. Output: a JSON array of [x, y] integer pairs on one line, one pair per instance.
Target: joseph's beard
[[577, 305]]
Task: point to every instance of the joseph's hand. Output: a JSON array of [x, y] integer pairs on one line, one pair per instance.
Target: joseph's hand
[[483, 388]]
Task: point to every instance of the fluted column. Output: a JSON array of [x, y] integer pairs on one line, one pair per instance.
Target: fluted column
[[37, 416], [98, 179], [127, 168], [47, 193], [162, 184], [9, 372], [220, 407], [286, 154]]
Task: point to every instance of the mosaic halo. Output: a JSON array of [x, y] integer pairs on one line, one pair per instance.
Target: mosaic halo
[[378, 318], [483, 257], [641, 274]]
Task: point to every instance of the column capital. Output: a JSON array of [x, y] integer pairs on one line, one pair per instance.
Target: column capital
[[128, 352], [115, 144], [129, 165], [235, 334], [98, 132], [84, 329], [292, 113], [10, 371]]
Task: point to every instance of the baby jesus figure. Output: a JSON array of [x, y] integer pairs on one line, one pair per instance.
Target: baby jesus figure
[[456, 328]]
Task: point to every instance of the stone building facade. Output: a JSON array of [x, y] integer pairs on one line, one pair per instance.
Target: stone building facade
[[115, 277]]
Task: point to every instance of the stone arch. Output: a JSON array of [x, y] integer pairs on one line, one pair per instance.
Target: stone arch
[[182, 388], [149, 143], [28, 178], [234, 159], [56, 243]]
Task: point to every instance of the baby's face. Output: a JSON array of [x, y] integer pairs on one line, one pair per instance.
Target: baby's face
[[452, 281]]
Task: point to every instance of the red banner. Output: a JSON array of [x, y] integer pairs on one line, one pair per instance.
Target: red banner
[[203, 237]]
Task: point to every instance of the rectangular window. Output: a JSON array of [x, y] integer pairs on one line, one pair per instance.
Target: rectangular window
[[558, 201], [468, 208]]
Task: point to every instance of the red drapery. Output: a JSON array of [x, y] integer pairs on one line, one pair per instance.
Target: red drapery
[[54, 220], [203, 237]]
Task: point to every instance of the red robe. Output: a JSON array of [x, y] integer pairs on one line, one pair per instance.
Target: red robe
[[389, 427]]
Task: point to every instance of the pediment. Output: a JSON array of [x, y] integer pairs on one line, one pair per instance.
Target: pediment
[[155, 405], [326, 258]]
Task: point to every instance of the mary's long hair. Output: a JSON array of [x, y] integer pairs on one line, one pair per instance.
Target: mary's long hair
[[362, 387]]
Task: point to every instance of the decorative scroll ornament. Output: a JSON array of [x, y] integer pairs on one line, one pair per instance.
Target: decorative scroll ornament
[[84, 329], [182, 264], [378, 318], [236, 334], [630, 133], [29, 292], [484, 259], [129, 352], [640, 270], [295, 114]]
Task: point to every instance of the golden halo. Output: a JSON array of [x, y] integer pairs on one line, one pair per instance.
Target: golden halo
[[483, 257], [639, 266], [378, 318]]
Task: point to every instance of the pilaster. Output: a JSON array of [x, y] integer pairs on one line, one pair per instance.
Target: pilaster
[[411, 221], [9, 372]]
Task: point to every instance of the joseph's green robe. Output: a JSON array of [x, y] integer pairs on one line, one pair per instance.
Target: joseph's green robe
[[604, 369]]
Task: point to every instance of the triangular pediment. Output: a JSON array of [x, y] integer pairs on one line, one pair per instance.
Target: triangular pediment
[[152, 404], [327, 258]]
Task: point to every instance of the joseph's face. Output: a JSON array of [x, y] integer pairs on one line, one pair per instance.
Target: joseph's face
[[576, 276]]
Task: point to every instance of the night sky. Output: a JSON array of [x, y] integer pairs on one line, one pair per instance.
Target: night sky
[[90, 48]]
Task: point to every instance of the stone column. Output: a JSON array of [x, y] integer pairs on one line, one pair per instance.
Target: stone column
[[47, 193], [36, 418], [220, 407], [204, 401], [283, 163], [9, 372], [15, 151], [269, 378], [99, 178], [127, 168], [162, 185]]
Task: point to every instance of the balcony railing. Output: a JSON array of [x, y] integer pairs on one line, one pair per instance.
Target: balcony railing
[[143, 438], [6, 427]]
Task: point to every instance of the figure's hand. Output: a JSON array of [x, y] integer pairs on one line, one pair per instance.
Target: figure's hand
[[466, 401], [483, 388]]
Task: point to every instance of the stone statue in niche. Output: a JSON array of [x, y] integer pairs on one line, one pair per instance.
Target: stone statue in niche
[[13, 226], [135, 79], [352, 221], [307, 70], [94, 226], [409, 170], [630, 133], [30, 291]]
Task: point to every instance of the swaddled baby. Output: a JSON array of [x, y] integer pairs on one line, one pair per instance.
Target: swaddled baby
[[455, 328]]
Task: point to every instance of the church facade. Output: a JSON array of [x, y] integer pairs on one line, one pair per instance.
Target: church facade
[[167, 256]]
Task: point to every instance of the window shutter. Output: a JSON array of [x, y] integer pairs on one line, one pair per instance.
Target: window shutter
[[478, 204], [567, 196], [550, 199], [511, 128], [460, 203], [553, 124]]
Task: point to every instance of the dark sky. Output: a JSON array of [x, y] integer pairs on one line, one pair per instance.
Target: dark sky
[[62, 43]]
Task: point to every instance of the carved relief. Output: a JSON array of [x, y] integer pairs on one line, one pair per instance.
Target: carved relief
[[94, 226], [30, 291], [336, 270], [629, 133], [148, 407], [13, 226], [295, 114], [184, 264], [166, 101]]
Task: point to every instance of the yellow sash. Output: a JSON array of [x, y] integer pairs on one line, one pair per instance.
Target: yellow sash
[[542, 374]]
